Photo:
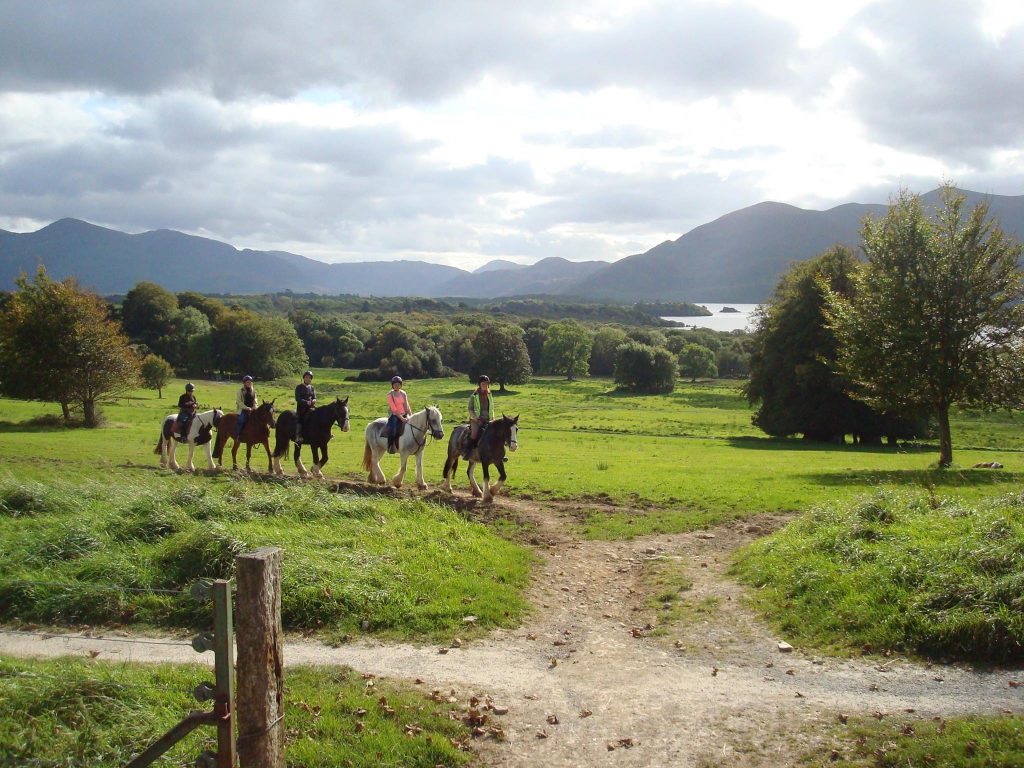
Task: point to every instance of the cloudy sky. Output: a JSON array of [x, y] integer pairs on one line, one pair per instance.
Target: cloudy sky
[[460, 131]]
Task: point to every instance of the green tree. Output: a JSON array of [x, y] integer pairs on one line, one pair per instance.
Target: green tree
[[791, 369], [155, 373], [148, 314], [643, 368], [606, 343], [936, 318], [500, 352], [696, 360], [567, 349], [58, 343], [267, 347]]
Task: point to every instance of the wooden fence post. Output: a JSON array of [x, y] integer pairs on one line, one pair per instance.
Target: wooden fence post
[[260, 679]]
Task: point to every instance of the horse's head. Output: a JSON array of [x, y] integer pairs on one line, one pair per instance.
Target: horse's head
[[217, 413], [511, 426], [434, 422], [341, 413], [265, 414]]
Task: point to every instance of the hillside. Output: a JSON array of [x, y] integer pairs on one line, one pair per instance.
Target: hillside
[[112, 262], [740, 256], [735, 258]]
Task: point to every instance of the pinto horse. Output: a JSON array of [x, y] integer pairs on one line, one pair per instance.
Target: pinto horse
[[316, 433], [255, 432], [490, 449], [199, 429], [420, 426]]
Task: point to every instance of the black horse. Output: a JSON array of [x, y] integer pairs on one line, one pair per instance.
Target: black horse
[[490, 449], [316, 433]]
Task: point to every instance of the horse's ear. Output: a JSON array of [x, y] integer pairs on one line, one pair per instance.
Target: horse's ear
[[516, 418]]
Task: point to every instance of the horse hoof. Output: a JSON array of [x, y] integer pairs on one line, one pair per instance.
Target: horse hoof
[[477, 494], [422, 487]]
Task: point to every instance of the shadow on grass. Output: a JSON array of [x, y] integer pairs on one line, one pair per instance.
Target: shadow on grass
[[463, 394], [48, 423], [939, 478], [797, 444]]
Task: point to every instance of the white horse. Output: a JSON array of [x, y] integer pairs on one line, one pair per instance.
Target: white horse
[[199, 430], [420, 426]]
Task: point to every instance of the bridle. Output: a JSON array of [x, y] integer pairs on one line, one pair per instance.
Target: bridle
[[428, 431]]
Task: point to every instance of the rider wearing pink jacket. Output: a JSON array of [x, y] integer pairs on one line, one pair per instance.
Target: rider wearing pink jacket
[[399, 412]]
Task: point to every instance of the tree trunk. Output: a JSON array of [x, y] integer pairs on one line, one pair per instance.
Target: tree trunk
[[89, 413], [501, 386], [66, 410], [945, 438], [159, 393]]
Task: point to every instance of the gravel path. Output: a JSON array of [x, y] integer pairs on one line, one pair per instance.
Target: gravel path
[[587, 682]]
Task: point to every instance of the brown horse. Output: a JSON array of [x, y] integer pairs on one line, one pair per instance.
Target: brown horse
[[255, 432]]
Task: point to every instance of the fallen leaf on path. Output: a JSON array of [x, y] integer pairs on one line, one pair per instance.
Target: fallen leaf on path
[[586, 713], [542, 734], [552, 719]]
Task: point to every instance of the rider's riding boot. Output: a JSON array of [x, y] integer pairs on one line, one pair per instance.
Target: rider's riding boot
[[391, 445], [298, 433], [470, 445]]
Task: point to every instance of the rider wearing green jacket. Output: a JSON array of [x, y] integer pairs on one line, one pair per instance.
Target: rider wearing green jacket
[[481, 411]]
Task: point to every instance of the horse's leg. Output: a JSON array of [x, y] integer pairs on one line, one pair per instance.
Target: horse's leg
[[400, 477], [472, 479], [299, 466], [450, 465], [487, 480], [209, 456], [420, 482], [270, 458], [496, 488], [234, 453], [322, 461], [191, 454], [172, 449], [163, 451], [248, 457]]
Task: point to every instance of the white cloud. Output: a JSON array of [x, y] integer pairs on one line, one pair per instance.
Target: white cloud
[[460, 131]]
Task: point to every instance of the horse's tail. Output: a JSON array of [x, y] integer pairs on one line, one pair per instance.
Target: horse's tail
[[281, 432], [159, 445], [367, 456]]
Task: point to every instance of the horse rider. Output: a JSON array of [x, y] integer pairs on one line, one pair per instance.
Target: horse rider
[[187, 406], [398, 412], [481, 411], [305, 401], [246, 401]]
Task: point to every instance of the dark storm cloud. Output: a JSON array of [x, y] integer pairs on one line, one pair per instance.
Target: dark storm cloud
[[412, 50], [934, 82]]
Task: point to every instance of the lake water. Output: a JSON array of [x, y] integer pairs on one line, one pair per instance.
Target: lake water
[[721, 321]]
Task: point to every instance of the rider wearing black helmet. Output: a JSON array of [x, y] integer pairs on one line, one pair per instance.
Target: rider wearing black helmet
[[398, 412], [481, 411], [187, 406], [305, 400]]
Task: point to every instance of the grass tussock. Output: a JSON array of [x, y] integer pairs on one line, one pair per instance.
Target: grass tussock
[[967, 742], [76, 712], [351, 563], [898, 571], [26, 499]]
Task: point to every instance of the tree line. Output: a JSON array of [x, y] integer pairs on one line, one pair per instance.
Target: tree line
[[931, 319], [64, 344]]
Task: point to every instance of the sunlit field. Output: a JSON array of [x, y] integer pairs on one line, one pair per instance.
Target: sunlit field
[[670, 462]]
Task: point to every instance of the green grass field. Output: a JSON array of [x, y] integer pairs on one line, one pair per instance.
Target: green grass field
[[81, 510], [77, 712], [679, 461]]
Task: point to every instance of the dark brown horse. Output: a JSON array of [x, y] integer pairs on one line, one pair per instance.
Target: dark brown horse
[[255, 432], [490, 449]]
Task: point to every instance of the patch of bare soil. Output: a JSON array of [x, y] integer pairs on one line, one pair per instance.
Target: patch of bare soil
[[596, 676]]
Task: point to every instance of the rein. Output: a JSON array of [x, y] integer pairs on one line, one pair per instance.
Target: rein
[[427, 431]]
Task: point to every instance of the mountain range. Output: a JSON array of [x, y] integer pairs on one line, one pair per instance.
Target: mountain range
[[735, 258]]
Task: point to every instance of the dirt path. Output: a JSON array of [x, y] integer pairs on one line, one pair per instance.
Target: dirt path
[[587, 682]]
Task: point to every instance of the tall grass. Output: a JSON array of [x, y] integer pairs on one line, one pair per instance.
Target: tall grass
[[76, 712], [95, 554], [898, 571]]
